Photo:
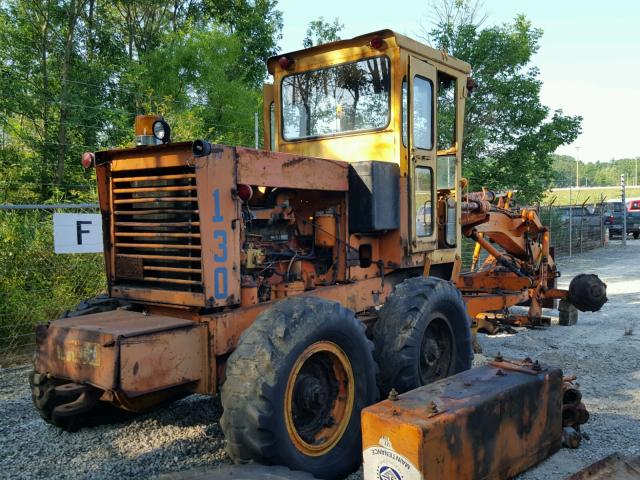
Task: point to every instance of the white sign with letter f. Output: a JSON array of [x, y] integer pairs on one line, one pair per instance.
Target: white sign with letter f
[[77, 233]]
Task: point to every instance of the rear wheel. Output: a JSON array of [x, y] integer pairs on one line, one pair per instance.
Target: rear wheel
[[422, 334], [295, 386], [636, 235]]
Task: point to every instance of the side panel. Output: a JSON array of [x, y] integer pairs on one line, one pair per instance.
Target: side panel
[[355, 147], [274, 169], [374, 196], [220, 227], [460, 108], [358, 296], [103, 180], [162, 360]]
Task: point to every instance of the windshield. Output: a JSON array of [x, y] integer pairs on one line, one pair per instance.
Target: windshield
[[343, 98]]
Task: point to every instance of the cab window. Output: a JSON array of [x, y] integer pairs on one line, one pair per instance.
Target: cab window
[[422, 113], [403, 111], [446, 111], [424, 202], [339, 99]]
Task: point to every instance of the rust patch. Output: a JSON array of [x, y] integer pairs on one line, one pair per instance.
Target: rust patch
[[293, 161]]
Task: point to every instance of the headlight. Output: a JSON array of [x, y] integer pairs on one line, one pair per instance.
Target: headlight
[[162, 131]]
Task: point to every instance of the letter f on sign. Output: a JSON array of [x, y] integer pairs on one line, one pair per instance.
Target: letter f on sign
[[80, 231]]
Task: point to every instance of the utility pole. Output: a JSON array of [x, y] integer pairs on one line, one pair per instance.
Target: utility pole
[[578, 167], [635, 183]]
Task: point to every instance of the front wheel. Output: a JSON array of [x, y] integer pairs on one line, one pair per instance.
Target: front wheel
[[422, 334], [295, 386]]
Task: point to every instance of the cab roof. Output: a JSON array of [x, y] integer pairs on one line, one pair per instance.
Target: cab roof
[[400, 40]]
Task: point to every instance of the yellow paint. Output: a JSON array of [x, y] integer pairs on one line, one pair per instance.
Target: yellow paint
[[407, 59]]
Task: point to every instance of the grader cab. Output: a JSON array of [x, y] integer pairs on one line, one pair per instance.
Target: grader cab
[[303, 281]]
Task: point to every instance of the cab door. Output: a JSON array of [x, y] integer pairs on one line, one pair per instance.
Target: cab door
[[422, 148]]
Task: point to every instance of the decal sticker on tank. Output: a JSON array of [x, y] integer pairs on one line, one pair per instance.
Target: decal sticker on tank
[[382, 462], [79, 353]]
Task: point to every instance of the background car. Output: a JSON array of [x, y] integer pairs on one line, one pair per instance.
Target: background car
[[614, 217]]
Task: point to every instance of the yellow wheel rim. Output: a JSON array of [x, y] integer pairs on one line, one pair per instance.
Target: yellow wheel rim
[[319, 398]]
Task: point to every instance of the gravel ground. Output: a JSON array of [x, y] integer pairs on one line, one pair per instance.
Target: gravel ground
[[599, 351], [187, 434]]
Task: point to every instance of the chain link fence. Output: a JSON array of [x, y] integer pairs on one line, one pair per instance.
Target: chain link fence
[[37, 285]]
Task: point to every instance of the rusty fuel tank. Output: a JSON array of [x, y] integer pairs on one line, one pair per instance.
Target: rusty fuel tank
[[123, 351], [491, 422]]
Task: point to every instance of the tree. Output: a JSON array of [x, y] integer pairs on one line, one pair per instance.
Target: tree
[[600, 173], [74, 73], [320, 31], [509, 134], [191, 79], [257, 24], [564, 170]]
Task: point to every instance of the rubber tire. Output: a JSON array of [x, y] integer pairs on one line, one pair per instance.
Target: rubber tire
[[636, 235], [587, 292], [401, 325], [257, 371]]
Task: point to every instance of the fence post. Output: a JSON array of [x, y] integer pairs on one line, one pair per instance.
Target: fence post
[[624, 210], [581, 240], [570, 220], [602, 232]]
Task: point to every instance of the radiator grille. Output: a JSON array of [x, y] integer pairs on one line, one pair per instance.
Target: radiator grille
[[156, 229]]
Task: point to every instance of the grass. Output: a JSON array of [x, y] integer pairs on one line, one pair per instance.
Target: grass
[[590, 195], [36, 285]]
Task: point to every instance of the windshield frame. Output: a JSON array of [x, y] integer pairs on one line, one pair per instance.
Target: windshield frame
[[390, 63]]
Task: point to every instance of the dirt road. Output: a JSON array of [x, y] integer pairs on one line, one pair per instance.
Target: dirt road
[[187, 434]]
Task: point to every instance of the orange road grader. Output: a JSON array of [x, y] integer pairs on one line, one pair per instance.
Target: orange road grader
[[304, 281]]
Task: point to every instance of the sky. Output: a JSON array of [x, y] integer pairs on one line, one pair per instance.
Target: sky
[[589, 57]]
